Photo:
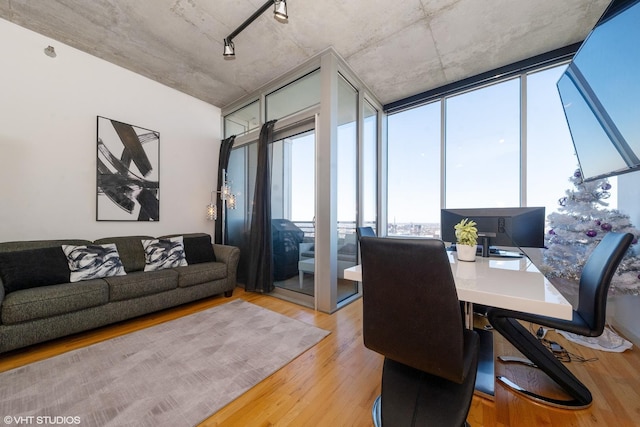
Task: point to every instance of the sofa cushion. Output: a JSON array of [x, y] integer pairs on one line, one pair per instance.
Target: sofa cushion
[[164, 253], [139, 284], [201, 273], [47, 301], [197, 247], [198, 250], [130, 250], [33, 267], [38, 244], [93, 261]]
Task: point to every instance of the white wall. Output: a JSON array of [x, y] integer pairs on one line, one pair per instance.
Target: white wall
[[48, 109]]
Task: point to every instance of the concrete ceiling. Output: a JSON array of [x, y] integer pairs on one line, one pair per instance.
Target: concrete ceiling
[[397, 48]]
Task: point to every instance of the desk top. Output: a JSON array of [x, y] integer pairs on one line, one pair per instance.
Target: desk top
[[511, 283]]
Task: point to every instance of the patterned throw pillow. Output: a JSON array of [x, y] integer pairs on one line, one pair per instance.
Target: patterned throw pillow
[[164, 253], [93, 261]]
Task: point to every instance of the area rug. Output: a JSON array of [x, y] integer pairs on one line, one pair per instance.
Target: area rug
[[174, 374]]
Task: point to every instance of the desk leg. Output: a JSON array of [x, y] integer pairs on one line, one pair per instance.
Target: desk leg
[[468, 315], [485, 378]]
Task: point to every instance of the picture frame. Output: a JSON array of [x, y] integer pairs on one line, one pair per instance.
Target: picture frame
[[127, 172]]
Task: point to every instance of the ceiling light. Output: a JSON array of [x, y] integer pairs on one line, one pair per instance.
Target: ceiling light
[[280, 11], [229, 49], [50, 51]]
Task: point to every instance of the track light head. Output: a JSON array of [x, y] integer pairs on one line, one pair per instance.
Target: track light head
[[280, 11], [229, 50]]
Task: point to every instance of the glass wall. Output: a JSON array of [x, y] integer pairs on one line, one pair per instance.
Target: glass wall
[[413, 171], [319, 176], [347, 159], [294, 97], [242, 120], [483, 147], [369, 174], [488, 134], [551, 158]]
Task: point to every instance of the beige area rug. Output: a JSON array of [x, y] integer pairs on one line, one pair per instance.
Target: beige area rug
[[174, 374]]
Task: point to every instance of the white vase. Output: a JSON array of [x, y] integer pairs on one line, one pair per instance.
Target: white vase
[[466, 252]]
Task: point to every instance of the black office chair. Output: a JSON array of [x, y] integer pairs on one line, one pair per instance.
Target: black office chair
[[411, 315], [588, 320], [365, 231]]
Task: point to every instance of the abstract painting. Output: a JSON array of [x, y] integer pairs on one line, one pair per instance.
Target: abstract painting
[[128, 161]]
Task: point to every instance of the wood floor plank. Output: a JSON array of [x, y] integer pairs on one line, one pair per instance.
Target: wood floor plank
[[335, 382]]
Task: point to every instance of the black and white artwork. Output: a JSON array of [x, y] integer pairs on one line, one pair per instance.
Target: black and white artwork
[[128, 160]]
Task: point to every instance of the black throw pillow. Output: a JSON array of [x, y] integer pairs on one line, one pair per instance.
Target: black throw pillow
[[32, 268], [198, 249]]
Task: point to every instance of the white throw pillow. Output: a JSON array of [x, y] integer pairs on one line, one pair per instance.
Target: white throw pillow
[[163, 253], [93, 261]]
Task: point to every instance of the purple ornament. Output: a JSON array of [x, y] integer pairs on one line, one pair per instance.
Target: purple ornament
[[552, 232], [606, 186], [591, 233], [598, 222], [634, 241], [577, 173], [606, 226]]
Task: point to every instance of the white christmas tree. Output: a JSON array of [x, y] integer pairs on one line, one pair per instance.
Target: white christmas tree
[[576, 229]]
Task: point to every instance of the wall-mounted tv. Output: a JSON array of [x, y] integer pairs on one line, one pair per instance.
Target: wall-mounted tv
[[600, 92]]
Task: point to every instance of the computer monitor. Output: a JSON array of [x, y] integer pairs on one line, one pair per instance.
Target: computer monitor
[[515, 227]]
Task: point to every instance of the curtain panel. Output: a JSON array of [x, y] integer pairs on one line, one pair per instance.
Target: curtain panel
[[223, 164], [260, 275]]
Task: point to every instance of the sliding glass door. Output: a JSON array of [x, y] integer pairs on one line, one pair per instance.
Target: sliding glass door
[[293, 211]]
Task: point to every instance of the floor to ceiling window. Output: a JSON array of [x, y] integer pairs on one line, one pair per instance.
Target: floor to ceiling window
[[347, 158], [369, 206], [413, 169], [485, 146], [551, 159], [482, 134]]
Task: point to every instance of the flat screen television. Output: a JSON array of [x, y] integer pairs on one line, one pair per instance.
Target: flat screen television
[[513, 227], [600, 93]]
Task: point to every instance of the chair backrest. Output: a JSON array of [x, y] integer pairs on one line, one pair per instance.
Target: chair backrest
[[411, 312], [596, 277], [365, 231]]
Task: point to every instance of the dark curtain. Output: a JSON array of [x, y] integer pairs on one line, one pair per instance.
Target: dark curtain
[[223, 163], [260, 277]]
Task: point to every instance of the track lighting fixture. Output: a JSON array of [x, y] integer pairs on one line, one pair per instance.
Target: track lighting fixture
[[279, 13], [229, 49]]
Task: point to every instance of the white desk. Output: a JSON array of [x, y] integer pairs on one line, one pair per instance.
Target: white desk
[[511, 283]]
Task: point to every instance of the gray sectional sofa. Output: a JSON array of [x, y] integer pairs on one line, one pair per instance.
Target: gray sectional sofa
[[38, 302]]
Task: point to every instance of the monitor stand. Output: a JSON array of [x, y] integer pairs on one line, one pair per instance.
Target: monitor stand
[[485, 243]]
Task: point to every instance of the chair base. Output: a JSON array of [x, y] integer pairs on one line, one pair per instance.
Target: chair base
[[376, 413], [558, 403], [543, 359]]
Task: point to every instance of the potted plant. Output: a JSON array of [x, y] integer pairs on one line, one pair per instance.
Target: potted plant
[[467, 239]]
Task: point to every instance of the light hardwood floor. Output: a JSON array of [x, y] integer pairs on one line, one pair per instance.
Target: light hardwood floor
[[335, 382]]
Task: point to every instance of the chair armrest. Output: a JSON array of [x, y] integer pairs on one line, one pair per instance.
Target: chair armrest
[[304, 247], [229, 255]]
